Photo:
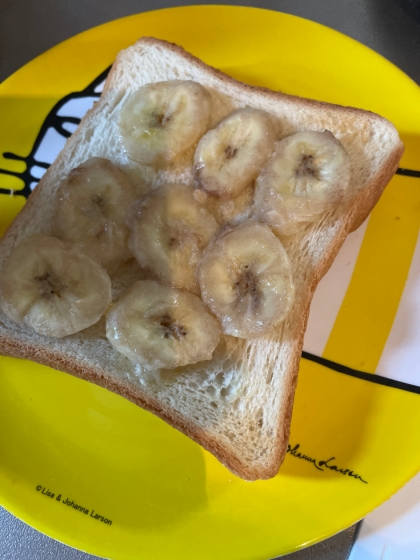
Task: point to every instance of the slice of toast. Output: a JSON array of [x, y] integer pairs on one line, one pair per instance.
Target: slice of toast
[[238, 405]]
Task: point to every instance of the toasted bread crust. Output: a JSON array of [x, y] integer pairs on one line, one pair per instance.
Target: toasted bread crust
[[194, 61], [362, 206], [62, 362]]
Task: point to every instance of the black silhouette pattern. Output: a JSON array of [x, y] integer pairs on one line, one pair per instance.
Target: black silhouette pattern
[[59, 125]]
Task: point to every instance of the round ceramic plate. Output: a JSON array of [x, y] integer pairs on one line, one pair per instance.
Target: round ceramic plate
[[92, 470]]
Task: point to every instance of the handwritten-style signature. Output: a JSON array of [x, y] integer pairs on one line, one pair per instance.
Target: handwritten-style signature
[[322, 465]]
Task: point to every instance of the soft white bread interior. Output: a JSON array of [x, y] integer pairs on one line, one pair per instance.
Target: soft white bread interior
[[239, 404]]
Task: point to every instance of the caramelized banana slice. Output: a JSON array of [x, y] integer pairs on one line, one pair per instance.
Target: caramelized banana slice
[[160, 327], [307, 175], [169, 230], [161, 121], [55, 290], [90, 212], [246, 280], [229, 157]]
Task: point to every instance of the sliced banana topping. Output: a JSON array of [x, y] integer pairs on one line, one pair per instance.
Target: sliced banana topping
[[90, 211], [161, 121], [307, 174], [169, 230], [229, 157], [229, 210], [160, 327], [246, 280], [55, 290]]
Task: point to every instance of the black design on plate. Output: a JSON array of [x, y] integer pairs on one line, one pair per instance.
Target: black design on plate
[[408, 172], [372, 377], [54, 122]]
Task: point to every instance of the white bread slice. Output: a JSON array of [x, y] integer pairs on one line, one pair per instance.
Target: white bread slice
[[238, 405]]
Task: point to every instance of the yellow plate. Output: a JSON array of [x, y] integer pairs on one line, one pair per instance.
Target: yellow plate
[[92, 470]]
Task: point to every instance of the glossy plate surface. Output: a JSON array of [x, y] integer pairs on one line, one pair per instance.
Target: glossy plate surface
[[143, 489]]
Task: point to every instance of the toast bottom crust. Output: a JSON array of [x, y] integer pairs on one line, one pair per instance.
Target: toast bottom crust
[[61, 362]]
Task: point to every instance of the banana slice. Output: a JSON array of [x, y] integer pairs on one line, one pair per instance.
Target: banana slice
[[169, 230], [90, 212], [161, 327], [228, 210], [246, 280], [229, 157], [161, 121], [55, 290], [307, 175]]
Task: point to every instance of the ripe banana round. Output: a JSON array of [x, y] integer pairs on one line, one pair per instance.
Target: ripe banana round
[[53, 289], [159, 122], [307, 175], [246, 280], [160, 327], [169, 230], [90, 212], [230, 156]]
